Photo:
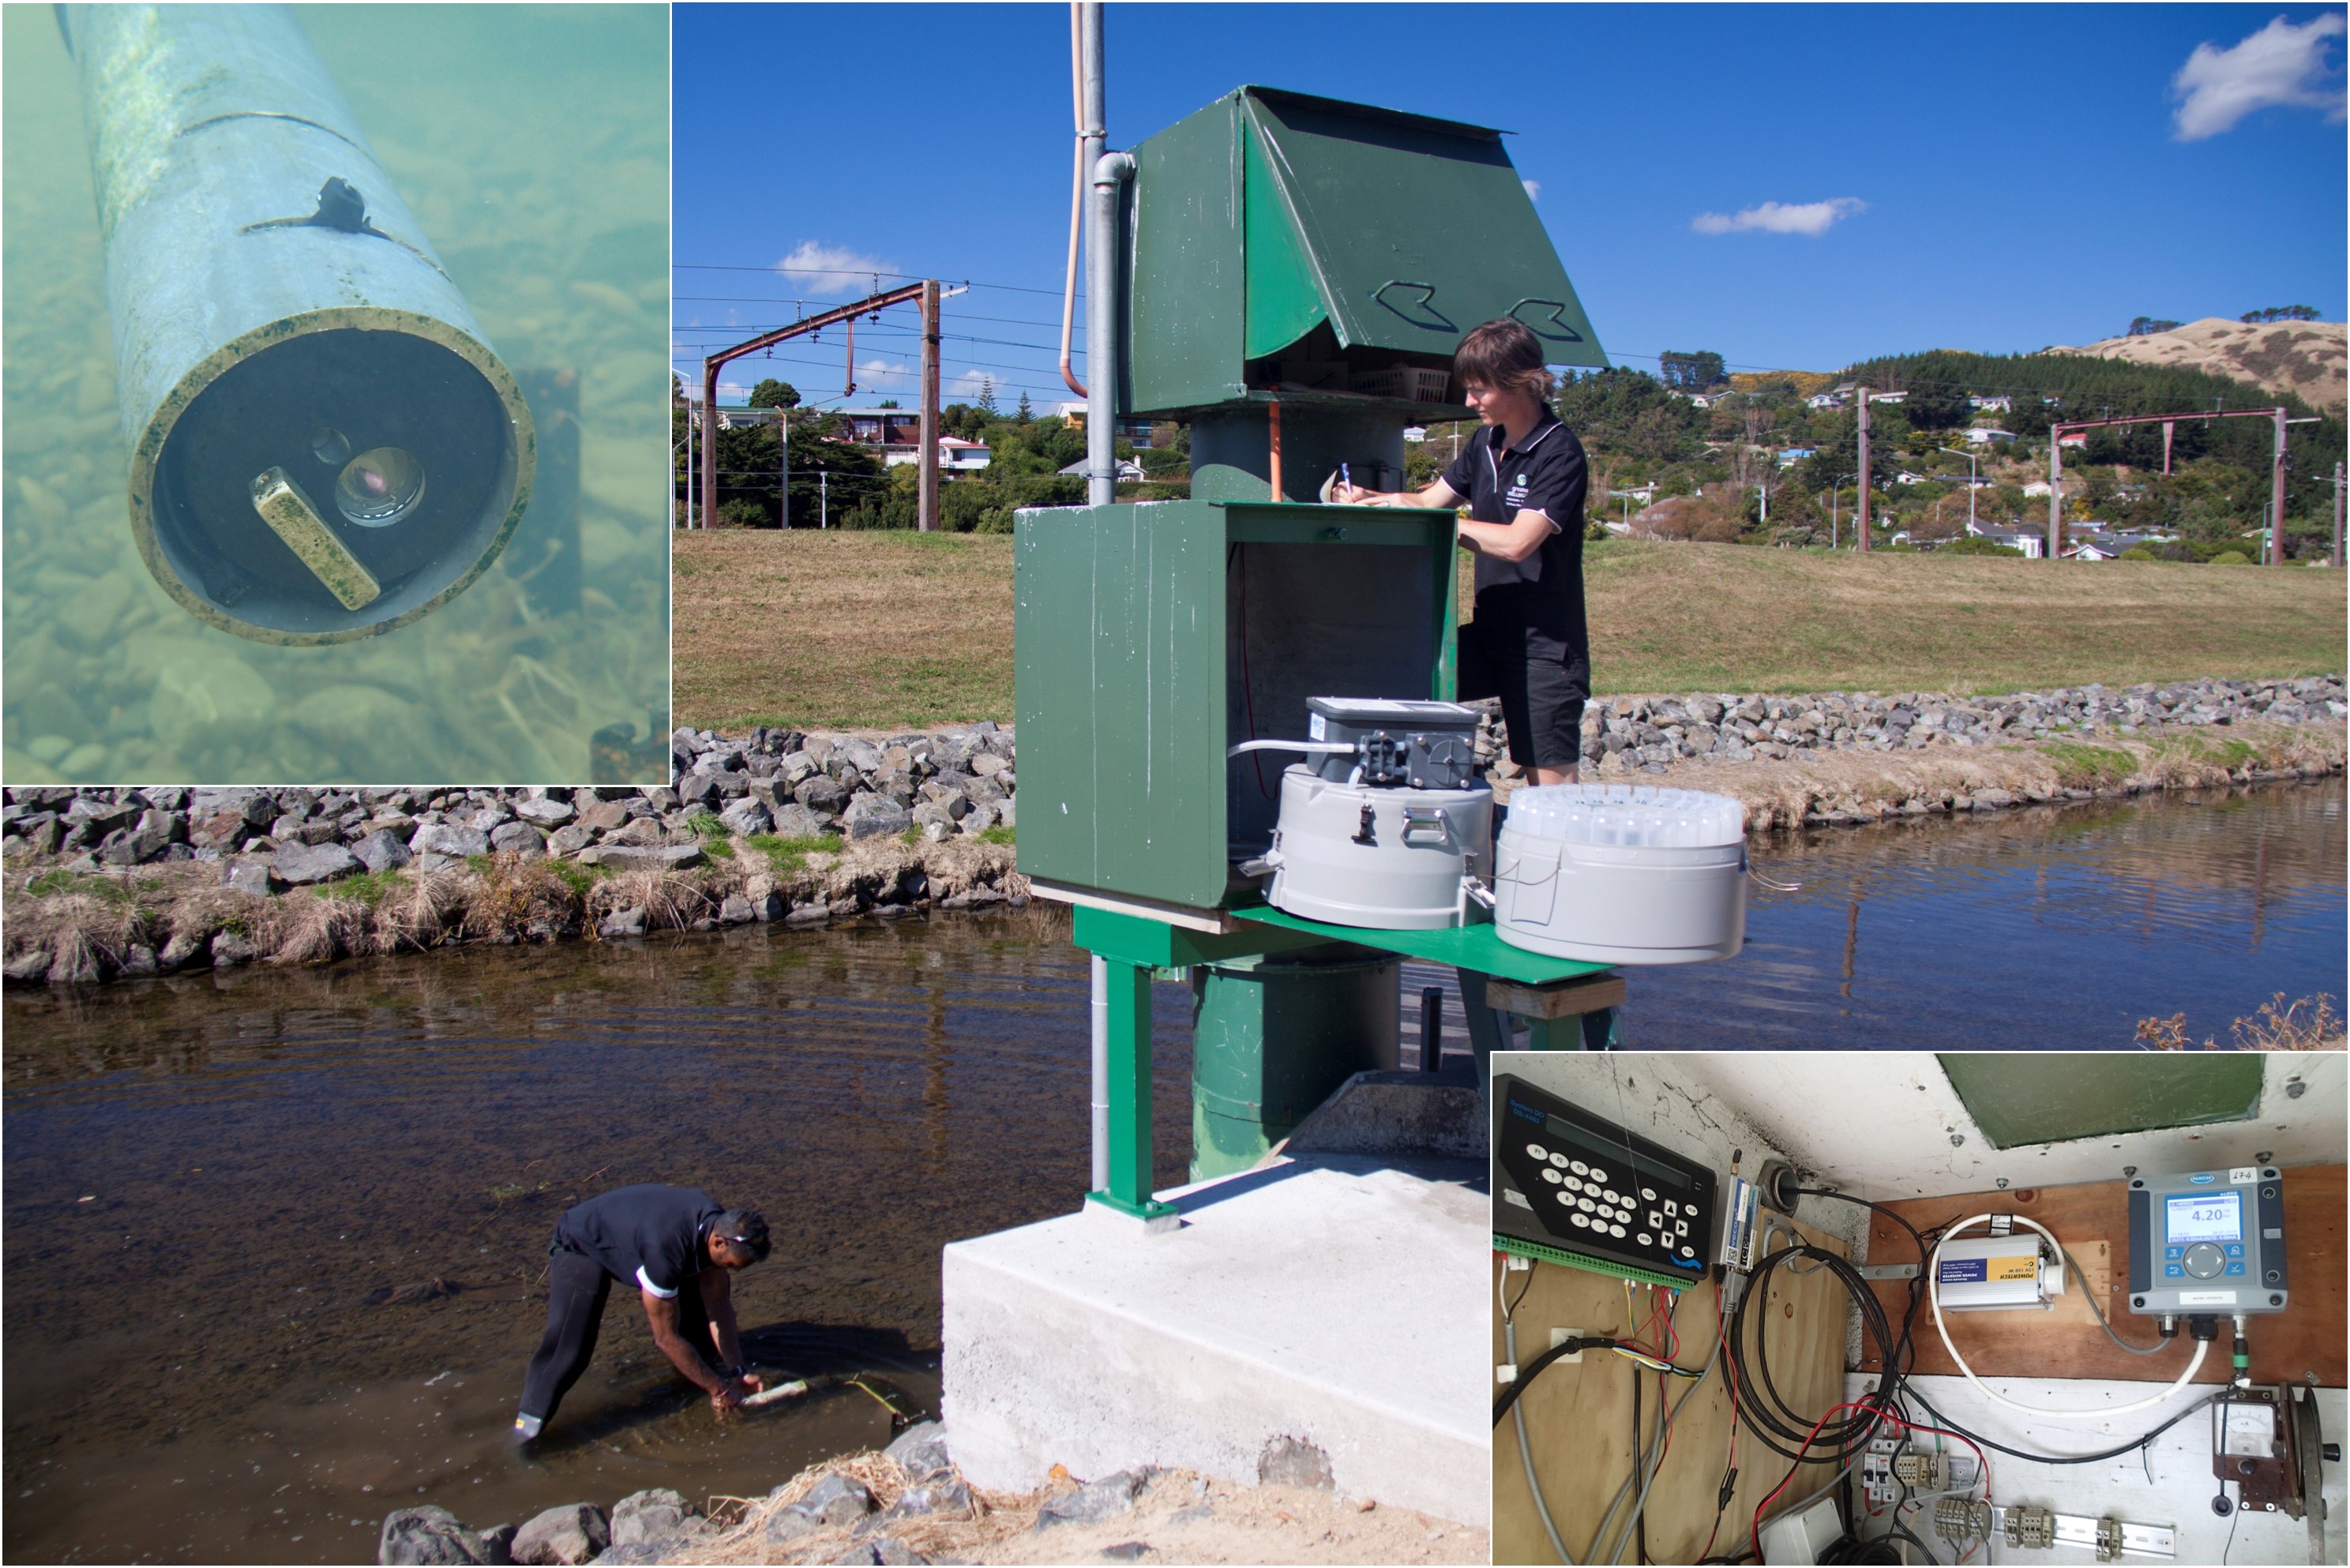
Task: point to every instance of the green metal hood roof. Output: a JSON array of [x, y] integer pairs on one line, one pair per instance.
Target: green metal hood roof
[[1402, 231]]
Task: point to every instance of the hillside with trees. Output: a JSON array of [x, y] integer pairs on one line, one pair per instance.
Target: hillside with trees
[[1662, 466]]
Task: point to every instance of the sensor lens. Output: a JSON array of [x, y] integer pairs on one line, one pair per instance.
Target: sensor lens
[[377, 488], [329, 445]]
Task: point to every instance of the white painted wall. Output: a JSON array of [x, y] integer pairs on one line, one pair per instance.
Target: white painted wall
[[1879, 1123], [2179, 1462]]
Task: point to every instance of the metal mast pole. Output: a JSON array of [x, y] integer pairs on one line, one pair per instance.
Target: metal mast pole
[[1860, 507], [1110, 169], [926, 513], [783, 441]]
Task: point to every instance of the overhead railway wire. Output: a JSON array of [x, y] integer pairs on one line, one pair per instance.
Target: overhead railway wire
[[2122, 403]]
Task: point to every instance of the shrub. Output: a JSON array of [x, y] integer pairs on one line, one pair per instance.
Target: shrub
[[2230, 558]]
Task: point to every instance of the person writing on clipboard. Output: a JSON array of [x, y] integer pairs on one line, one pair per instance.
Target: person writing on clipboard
[[1523, 478]]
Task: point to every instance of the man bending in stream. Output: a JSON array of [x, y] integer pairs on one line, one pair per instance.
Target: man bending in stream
[[678, 1246]]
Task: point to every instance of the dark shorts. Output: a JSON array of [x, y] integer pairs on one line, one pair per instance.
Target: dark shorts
[[1542, 679]]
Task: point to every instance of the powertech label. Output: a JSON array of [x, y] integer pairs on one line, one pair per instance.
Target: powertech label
[[2023, 1266]]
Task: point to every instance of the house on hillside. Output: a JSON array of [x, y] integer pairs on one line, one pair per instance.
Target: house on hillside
[[1984, 435], [2077, 440], [2002, 403], [2013, 539], [2093, 547], [2037, 490], [956, 455], [1827, 400]]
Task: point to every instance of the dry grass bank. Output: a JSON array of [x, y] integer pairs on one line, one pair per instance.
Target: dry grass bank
[[839, 630], [900, 630]]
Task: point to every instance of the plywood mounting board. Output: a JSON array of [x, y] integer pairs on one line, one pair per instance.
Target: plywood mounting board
[[1579, 1417], [2287, 1346]]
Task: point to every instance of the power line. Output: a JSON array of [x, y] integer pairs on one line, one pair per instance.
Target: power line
[[859, 272]]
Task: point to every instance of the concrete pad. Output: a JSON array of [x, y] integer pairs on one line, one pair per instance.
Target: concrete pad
[[1332, 1300]]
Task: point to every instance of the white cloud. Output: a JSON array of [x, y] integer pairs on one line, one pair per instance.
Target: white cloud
[[1533, 189], [733, 392], [1814, 218], [971, 384], [883, 375], [2279, 65], [824, 270]]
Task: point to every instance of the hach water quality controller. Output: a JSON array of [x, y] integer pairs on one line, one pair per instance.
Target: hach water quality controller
[[2207, 1242]]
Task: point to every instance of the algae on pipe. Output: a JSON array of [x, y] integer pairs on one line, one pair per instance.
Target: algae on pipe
[[277, 311]]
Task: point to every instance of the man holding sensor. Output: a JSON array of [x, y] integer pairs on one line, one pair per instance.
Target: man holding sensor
[[680, 1247], [1523, 478]]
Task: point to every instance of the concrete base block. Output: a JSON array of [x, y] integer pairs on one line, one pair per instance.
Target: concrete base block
[[1330, 1301]]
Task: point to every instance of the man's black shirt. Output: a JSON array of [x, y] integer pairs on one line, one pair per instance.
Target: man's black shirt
[[654, 1237]]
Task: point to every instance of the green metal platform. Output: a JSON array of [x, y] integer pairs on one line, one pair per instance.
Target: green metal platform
[[1475, 947], [1137, 947]]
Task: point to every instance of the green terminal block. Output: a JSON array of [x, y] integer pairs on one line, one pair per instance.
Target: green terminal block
[[1542, 1254]]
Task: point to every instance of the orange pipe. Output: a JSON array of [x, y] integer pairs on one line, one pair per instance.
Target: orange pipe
[[1275, 410]]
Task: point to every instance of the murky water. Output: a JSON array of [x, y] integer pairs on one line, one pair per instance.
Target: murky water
[[228, 1197], [2035, 929], [532, 144]]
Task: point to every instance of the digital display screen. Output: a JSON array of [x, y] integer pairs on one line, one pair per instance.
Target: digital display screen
[[2205, 1217], [1614, 1154]]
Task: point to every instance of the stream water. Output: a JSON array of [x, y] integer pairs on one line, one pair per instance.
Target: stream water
[[2056, 928], [273, 1239]]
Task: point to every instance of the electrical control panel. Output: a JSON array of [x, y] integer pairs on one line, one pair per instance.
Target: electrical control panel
[[2207, 1242], [1574, 1188]]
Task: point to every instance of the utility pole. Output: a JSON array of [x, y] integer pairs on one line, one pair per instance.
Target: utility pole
[[2276, 494], [783, 442], [2337, 515], [2056, 493], [713, 364], [926, 510], [822, 498], [1860, 506]]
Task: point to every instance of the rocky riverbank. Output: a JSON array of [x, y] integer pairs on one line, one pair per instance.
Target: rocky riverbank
[[785, 826], [911, 1505]]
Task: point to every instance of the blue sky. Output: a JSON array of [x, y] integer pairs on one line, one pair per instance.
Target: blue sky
[[1791, 186]]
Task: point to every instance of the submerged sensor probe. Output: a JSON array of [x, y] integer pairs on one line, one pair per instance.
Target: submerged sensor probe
[[323, 445]]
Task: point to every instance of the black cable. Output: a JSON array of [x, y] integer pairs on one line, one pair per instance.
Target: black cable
[[1896, 1355], [1526, 1374], [2130, 1446]]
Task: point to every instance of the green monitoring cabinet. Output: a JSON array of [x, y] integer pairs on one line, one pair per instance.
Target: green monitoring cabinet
[[1295, 273], [1329, 257], [1151, 637]]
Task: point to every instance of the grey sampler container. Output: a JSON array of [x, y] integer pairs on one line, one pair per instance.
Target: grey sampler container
[[323, 445]]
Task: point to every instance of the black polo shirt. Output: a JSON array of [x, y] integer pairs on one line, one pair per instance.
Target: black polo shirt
[[656, 1236], [1545, 473]]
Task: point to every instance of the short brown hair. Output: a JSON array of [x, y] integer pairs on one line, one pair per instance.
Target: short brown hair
[[1503, 354]]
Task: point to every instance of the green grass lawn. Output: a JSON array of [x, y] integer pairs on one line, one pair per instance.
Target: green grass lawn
[[891, 630]]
